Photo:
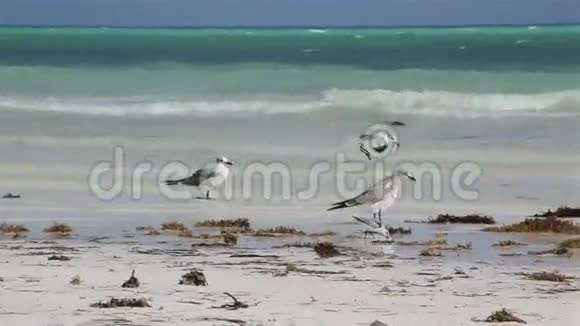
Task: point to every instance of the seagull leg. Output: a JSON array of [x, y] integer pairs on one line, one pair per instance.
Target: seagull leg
[[380, 218], [207, 194]]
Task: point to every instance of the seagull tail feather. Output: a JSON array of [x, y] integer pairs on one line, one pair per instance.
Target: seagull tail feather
[[172, 182], [343, 204]]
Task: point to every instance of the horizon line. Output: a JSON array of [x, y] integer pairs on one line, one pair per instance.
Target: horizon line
[[283, 26]]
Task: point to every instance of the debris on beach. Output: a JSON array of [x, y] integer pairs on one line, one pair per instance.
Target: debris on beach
[[17, 230], [377, 323], [292, 268], [440, 241], [326, 233], [508, 243], [148, 230], [296, 245], [554, 276], [399, 230], [465, 219], [430, 252], [59, 258], [114, 303], [236, 225], [232, 306], [173, 226], [504, 316], [11, 196], [132, 282], [279, 231], [144, 228], [557, 252], [227, 320], [562, 212], [177, 228], [326, 250], [76, 280], [152, 232], [538, 225], [573, 243], [230, 239], [59, 229], [193, 277]]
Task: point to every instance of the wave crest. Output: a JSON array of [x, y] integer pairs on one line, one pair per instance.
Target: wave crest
[[432, 103]]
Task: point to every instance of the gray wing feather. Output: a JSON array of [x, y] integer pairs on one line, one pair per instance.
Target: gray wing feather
[[375, 192], [199, 176]]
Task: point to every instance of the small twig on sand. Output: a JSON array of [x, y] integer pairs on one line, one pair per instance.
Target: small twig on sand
[[232, 306], [132, 282]]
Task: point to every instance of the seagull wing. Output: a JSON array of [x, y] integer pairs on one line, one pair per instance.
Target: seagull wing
[[198, 177]]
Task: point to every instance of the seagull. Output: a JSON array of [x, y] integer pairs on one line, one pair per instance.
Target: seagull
[[378, 141], [379, 196], [374, 227], [206, 177]]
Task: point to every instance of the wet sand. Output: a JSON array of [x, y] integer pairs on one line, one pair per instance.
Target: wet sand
[[389, 283]]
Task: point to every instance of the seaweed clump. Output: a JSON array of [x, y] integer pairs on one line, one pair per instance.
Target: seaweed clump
[[504, 316], [538, 225], [508, 243], [114, 303], [13, 228], [173, 226], [176, 228], [59, 229], [230, 239], [573, 243], [554, 276], [193, 277], [562, 211], [465, 219], [279, 231], [430, 252], [326, 250], [238, 223], [327, 233], [59, 258]]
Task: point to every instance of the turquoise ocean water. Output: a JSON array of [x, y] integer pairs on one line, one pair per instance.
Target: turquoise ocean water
[[507, 98]]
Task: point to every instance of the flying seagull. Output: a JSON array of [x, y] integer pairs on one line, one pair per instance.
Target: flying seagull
[[206, 177], [379, 140], [379, 196], [374, 227]]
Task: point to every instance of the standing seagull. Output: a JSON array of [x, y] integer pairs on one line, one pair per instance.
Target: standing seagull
[[380, 196], [374, 227], [206, 177]]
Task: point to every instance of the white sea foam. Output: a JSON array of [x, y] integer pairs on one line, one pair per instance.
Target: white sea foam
[[435, 103]]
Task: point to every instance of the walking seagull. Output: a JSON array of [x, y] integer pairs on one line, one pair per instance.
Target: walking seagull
[[374, 227], [380, 196], [206, 177], [379, 142]]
